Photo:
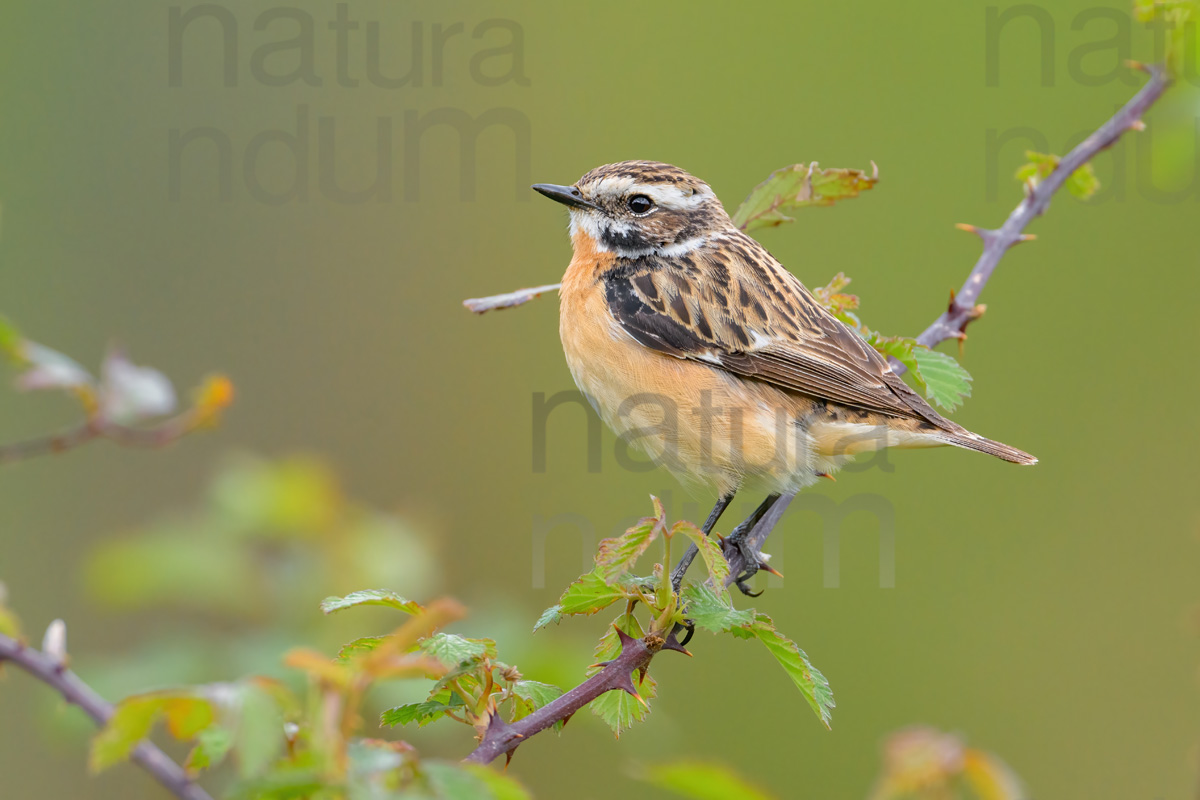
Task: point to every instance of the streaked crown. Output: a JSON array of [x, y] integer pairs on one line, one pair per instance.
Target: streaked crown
[[635, 208]]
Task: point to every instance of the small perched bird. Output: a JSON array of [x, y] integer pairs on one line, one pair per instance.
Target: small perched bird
[[693, 343]]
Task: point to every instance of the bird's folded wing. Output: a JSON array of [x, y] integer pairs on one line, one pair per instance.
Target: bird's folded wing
[[747, 315]]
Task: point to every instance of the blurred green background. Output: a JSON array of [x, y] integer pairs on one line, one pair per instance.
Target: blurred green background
[[1047, 613]]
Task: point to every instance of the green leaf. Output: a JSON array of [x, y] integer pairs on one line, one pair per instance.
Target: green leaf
[[131, 722], [1179, 21], [11, 342], [372, 758], [288, 498], [1037, 168], [710, 551], [260, 737], [10, 624], [589, 594], [618, 555], [529, 696], [811, 683], [944, 380], [188, 715], [452, 649], [901, 348], [501, 786], [1082, 183], [799, 186], [701, 780], [553, 614], [370, 597], [186, 712], [212, 745], [711, 611], [359, 647], [420, 713], [287, 782], [617, 708], [457, 781]]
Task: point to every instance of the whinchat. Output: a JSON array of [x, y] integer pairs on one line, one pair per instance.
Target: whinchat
[[696, 345]]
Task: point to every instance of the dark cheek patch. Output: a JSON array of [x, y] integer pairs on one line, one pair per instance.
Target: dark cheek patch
[[628, 240]]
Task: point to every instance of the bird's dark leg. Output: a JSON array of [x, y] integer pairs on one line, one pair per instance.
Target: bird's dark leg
[[737, 540], [688, 557], [710, 523]]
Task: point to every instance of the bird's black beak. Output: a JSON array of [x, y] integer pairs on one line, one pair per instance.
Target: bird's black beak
[[567, 195]]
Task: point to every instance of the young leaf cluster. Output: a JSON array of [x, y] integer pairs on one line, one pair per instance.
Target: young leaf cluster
[[704, 604], [284, 748], [1082, 183]]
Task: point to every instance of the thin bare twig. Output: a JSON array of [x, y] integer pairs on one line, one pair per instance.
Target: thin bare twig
[[482, 305], [160, 435], [54, 673]]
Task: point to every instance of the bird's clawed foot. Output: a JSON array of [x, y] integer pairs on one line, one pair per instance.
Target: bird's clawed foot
[[752, 561]]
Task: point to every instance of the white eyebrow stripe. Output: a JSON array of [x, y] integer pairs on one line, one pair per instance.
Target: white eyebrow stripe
[[674, 197], [663, 194]]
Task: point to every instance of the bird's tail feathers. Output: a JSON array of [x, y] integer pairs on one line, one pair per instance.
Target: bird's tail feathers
[[972, 441]]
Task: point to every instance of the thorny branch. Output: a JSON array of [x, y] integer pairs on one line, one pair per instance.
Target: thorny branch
[[963, 310], [502, 737], [53, 672], [636, 654]]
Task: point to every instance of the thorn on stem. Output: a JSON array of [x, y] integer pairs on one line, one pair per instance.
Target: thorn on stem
[[986, 234], [625, 638], [1137, 125], [673, 643], [624, 682]]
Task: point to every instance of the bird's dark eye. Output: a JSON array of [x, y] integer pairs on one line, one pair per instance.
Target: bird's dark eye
[[640, 204]]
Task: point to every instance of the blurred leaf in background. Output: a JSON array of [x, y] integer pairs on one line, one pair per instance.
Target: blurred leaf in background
[[700, 780], [925, 764], [246, 568]]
